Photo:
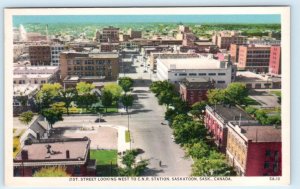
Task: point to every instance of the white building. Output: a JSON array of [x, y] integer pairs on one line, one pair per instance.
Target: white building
[[55, 52], [175, 70], [35, 74]]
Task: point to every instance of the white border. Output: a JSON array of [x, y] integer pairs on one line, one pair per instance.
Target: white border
[[240, 181]]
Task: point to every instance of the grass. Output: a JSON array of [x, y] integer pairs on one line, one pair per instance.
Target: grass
[[127, 136], [106, 162], [277, 93], [249, 101], [16, 146], [75, 110]]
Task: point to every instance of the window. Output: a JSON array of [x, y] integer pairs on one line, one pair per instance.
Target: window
[[268, 153], [182, 74], [192, 74], [202, 74], [221, 82], [221, 73], [211, 73], [276, 155], [266, 165]]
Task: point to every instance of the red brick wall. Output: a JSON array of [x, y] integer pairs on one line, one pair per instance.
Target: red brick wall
[[275, 62], [256, 158]]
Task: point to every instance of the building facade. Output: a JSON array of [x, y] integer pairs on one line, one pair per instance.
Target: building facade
[[275, 60], [193, 90], [254, 58], [254, 150], [176, 69], [135, 34], [99, 65], [40, 55], [55, 52], [224, 39], [72, 153], [109, 34]]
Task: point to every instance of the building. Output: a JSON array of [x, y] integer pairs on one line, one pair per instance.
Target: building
[[254, 58], [265, 40], [18, 50], [258, 81], [193, 90], [164, 55], [96, 66], [109, 34], [234, 52], [254, 150], [55, 52], [216, 119], [223, 39], [135, 34], [188, 39], [23, 97], [275, 60], [72, 153], [124, 37], [109, 47], [35, 74], [40, 55], [176, 69]]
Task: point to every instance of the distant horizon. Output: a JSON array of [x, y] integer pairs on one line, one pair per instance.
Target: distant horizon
[[135, 19]]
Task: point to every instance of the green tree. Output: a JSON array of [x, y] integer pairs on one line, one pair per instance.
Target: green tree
[[114, 89], [132, 167], [58, 171], [189, 132], [68, 96], [166, 98], [52, 116], [106, 99], [170, 114], [86, 100], [216, 96], [26, 117], [180, 119], [48, 94], [250, 110], [126, 83], [274, 119], [236, 92], [84, 88], [158, 86], [198, 110], [198, 150], [179, 105], [127, 101], [261, 116]]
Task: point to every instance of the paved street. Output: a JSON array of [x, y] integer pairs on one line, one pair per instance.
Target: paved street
[[264, 98]]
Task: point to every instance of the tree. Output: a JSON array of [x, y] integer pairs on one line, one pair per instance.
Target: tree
[[48, 94], [84, 88], [250, 110], [189, 132], [261, 116], [198, 150], [126, 83], [68, 96], [52, 116], [180, 119], [127, 101], [198, 110], [106, 99], [216, 96], [274, 119], [86, 100], [114, 89], [58, 171], [165, 97], [236, 92], [158, 86], [170, 114], [132, 168], [26, 117], [179, 105]]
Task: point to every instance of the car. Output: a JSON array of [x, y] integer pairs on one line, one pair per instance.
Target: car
[[145, 71], [142, 65]]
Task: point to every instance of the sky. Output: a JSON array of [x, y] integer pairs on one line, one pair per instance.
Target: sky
[[118, 19]]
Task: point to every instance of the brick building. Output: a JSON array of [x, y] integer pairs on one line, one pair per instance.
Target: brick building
[[254, 58], [224, 39], [109, 47], [109, 34], [275, 60], [193, 90], [95, 65], [234, 52], [135, 34], [254, 150], [40, 55], [72, 153], [216, 119]]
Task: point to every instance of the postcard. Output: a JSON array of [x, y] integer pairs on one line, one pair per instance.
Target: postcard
[[170, 96]]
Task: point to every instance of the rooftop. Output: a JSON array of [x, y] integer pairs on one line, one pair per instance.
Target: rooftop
[[262, 133], [25, 89], [38, 150], [191, 63], [230, 113], [247, 76]]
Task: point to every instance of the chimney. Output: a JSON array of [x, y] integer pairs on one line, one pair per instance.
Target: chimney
[[24, 155], [67, 154]]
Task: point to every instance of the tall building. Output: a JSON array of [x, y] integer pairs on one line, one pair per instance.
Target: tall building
[[234, 52], [254, 58], [135, 34], [223, 39], [254, 150], [177, 69], [55, 52], [193, 90], [103, 66], [71, 153], [275, 60], [40, 55], [109, 34]]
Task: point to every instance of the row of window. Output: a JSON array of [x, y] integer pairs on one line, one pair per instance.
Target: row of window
[[90, 73], [199, 74], [89, 61]]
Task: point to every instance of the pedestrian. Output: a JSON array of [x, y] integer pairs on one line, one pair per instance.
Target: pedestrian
[[159, 163]]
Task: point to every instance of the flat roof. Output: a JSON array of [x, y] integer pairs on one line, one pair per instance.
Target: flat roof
[[262, 133], [31, 76], [196, 79], [39, 151], [191, 63], [24, 89], [230, 113]]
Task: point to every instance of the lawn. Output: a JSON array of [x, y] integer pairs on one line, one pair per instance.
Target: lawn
[[249, 101], [277, 93], [127, 136], [75, 110], [106, 162]]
